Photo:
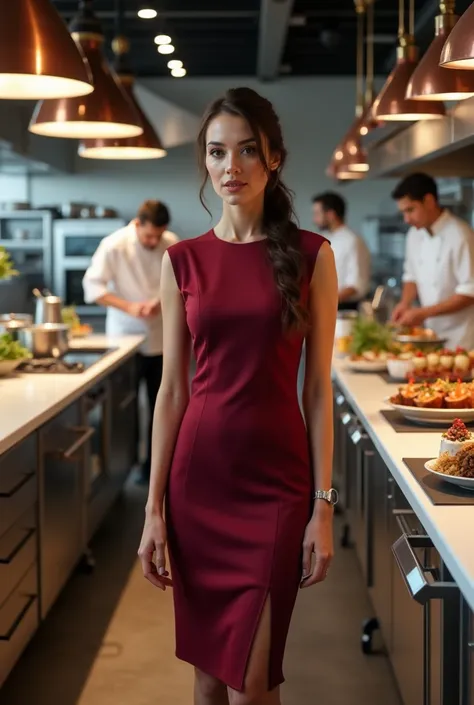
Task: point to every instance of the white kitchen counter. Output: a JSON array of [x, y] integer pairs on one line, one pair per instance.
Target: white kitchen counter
[[29, 400], [450, 527]]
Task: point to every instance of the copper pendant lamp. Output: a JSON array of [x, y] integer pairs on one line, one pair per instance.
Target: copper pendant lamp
[[430, 81], [147, 145], [391, 104], [38, 57], [107, 112], [458, 51]]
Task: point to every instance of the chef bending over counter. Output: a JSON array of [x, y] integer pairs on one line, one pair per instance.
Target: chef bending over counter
[[439, 265]]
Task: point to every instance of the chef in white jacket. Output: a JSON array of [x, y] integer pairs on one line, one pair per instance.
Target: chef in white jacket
[[439, 265], [124, 275], [351, 254]]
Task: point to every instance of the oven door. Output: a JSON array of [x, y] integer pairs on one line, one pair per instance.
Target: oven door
[[70, 289], [425, 627]]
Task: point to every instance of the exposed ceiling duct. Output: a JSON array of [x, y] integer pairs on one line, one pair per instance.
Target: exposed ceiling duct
[[273, 29]]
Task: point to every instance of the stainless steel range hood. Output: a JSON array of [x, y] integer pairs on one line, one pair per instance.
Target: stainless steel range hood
[[438, 147]]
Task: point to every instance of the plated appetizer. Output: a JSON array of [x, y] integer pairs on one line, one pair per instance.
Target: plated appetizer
[[455, 463], [438, 395], [451, 365], [455, 438]]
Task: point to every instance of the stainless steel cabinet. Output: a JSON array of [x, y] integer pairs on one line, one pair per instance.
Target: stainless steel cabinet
[[18, 551], [123, 393], [425, 619], [382, 560], [467, 655], [64, 454]]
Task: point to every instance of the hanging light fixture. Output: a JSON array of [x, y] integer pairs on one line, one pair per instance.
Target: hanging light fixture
[[430, 81], [458, 51], [107, 112], [391, 103], [38, 57], [162, 39], [368, 123], [147, 145]]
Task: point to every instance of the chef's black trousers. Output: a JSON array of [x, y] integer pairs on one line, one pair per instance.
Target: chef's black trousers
[[149, 369]]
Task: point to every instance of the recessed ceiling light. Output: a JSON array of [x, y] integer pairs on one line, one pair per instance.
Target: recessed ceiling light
[[163, 39], [175, 64], [166, 49], [147, 13], [178, 73]]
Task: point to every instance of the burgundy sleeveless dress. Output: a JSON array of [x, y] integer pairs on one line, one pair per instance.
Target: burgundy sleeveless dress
[[240, 484]]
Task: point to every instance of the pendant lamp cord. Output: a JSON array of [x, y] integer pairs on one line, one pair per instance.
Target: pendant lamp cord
[[411, 19], [118, 17], [401, 20], [369, 86], [360, 10]]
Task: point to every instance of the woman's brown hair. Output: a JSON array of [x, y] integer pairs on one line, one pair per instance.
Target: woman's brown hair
[[283, 238]]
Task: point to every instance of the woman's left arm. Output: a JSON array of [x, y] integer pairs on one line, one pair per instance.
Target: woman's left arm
[[318, 411]]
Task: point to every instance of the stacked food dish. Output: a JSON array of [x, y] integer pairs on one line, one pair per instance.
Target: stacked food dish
[[455, 462], [438, 402], [420, 365]]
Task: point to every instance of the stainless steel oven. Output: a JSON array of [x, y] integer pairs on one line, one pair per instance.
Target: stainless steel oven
[[425, 637], [75, 241]]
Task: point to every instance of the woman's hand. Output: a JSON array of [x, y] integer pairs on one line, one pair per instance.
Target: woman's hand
[[154, 542], [318, 539]]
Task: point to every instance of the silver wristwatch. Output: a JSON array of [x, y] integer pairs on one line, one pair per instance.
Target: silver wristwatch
[[331, 496]]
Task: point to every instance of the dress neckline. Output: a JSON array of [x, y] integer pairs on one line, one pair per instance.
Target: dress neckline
[[237, 244]]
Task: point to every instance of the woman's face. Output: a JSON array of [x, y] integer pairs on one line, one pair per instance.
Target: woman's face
[[232, 160]]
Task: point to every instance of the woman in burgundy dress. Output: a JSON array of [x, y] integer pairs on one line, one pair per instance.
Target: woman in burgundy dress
[[243, 483]]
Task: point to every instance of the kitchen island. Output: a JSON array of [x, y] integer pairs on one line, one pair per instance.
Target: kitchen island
[[67, 446], [416, 557]]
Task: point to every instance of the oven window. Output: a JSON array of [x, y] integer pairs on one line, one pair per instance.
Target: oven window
[[74, 290], [81, 246]]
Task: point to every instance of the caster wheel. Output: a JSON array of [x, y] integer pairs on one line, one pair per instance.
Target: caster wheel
[[87, 565], [345, 537], [368, 628]]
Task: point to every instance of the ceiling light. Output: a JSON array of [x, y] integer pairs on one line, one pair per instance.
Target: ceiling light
[[430, 81], [147, 13], [166, 49], [458, 51], [391, 104], [145, 146], [107, 112], [163, 39], [175, 64], [178, 73], [38, 57]]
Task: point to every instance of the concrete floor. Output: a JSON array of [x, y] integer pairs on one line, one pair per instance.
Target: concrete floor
[[109, 639]]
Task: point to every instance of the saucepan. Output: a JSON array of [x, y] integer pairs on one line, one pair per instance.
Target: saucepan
[[46, 340]]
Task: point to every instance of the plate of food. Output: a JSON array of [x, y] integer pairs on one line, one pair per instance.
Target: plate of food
[[455, 462], [370, 343], [435, 403], [420, 365], [369, 361], [420, 336], [76, 328]]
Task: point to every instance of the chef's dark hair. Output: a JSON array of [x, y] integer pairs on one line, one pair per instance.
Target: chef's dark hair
[[279, 221], [331, 201], [416, 186], [153, 212]]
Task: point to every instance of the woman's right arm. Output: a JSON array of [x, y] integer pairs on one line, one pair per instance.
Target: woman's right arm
[[171, 403]]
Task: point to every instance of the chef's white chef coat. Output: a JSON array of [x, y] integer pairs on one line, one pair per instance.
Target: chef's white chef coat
[[442, 264], [123, 266], [352, 258]]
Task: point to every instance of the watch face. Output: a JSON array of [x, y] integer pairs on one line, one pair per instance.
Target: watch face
[[333, 496]]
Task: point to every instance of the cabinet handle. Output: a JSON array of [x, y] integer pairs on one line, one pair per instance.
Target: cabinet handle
[[16, 488], [96, 400], [10, 633], [86, 431], [5, 561], [420, 588], [127, 401]]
